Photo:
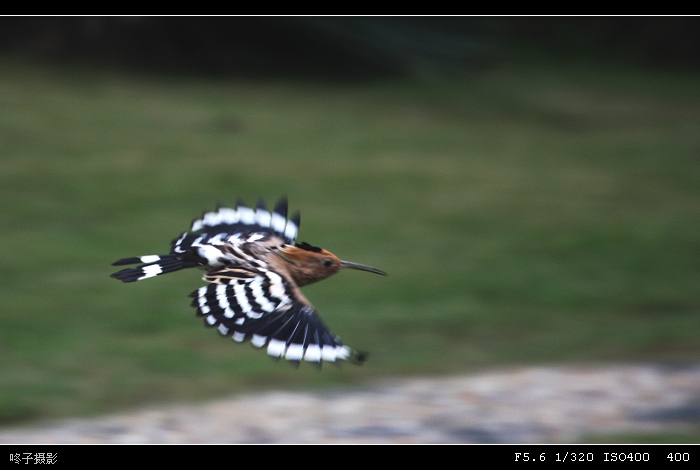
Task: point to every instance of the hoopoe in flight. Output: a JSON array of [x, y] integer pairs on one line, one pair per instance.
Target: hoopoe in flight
[[255, 269]]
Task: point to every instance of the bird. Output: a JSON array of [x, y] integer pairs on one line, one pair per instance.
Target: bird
[[255, 268]]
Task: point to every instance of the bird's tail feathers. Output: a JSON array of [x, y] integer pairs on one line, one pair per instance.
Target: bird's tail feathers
[[153, 265]]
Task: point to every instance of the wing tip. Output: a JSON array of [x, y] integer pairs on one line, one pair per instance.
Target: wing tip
[[358, 357]]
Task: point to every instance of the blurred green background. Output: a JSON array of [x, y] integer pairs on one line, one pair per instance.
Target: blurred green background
[[534, 199]]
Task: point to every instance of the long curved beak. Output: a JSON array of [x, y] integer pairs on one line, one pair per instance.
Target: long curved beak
[[361, 267]]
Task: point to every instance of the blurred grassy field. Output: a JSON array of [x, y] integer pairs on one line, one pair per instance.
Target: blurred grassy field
[[527, 214]]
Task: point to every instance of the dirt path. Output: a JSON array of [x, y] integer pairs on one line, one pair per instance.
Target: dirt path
[[533, 405]]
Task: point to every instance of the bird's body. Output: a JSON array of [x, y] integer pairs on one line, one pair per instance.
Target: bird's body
[[255, 269]]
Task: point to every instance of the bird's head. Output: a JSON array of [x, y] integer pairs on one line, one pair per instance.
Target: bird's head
[[309, 264]]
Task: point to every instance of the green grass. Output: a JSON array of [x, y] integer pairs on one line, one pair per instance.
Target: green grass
[[527, 214], [690, 436]]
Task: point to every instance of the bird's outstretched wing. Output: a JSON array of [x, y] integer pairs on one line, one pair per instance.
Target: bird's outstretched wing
[[208, 235], [260, 306]]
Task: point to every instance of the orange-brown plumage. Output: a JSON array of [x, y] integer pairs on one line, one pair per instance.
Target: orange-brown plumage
[[306, 267]]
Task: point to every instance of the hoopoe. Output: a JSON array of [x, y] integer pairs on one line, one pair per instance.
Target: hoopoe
[[255, 269]]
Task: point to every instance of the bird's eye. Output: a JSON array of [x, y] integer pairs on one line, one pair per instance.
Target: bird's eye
[[327, 263]]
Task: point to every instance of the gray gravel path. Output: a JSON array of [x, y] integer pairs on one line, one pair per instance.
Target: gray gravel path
[[532, 405]]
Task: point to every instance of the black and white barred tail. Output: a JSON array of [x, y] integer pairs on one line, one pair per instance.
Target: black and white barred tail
[[154, 265]]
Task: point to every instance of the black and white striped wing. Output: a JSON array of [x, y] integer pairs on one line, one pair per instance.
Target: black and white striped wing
[[226, 225], [202, 245], [258, 306]]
